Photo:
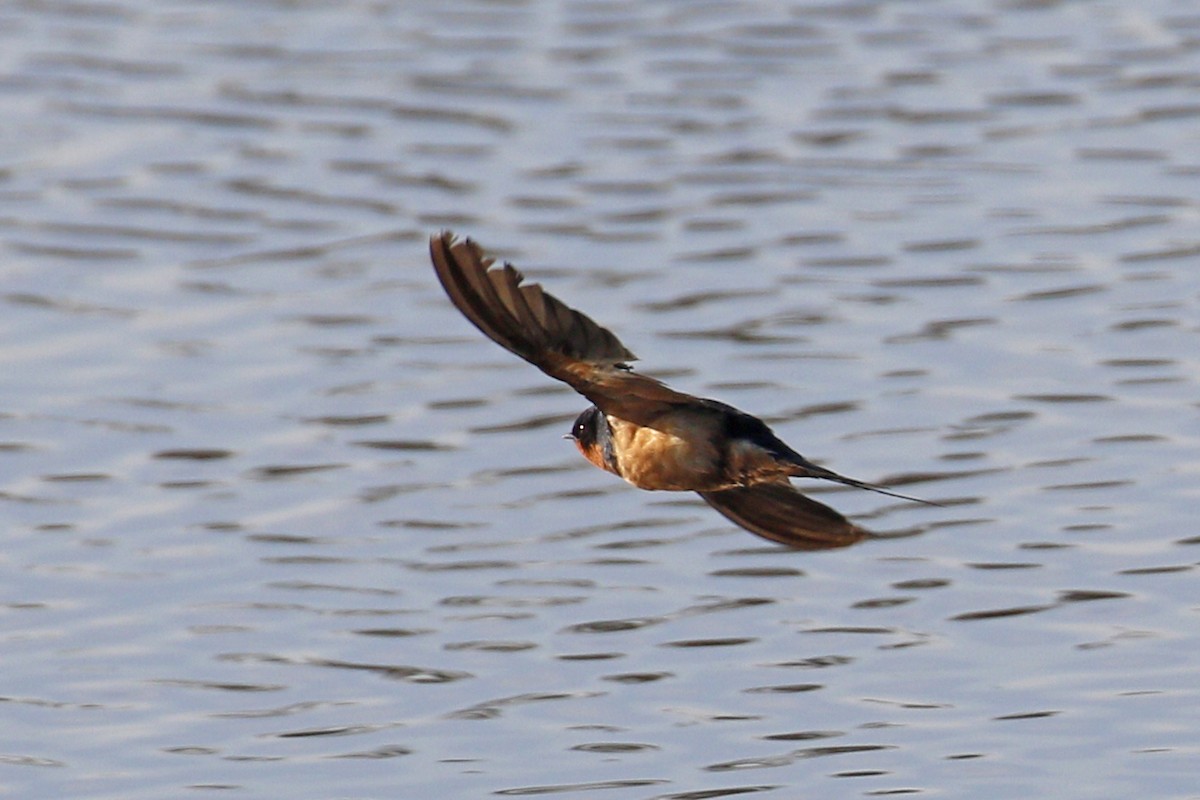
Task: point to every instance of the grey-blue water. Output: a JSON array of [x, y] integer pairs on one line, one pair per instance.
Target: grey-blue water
[[278, 522]]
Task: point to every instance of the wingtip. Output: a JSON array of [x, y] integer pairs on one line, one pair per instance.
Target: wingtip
[[440, 245]]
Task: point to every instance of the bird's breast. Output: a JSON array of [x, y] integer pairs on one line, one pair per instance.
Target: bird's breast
[[680, 453]]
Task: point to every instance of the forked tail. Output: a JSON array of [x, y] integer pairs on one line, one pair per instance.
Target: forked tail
[[807, 469]]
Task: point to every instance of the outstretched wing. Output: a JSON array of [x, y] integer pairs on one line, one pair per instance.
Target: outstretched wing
[[778, 512], [564, 343]]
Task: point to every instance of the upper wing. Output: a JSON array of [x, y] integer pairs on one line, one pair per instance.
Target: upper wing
[[778, 512], [564, 343]]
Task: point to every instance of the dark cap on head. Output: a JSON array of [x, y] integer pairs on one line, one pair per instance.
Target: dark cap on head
[[584, 429]]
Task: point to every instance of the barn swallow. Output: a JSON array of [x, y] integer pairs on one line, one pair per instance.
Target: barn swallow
[[638, 428]]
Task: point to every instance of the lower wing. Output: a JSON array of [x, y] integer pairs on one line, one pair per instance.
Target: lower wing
[[778, 512]]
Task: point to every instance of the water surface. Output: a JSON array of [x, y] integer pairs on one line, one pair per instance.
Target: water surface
[[280, 522]]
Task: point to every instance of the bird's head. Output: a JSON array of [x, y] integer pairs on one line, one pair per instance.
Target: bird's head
[[585, 433]]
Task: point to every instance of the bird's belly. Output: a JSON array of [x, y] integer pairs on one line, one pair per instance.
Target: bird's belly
[[671, 457]]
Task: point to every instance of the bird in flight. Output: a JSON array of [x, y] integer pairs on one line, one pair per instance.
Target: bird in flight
[[638, 428]]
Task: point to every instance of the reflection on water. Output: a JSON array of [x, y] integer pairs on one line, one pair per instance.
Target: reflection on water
[[280, 521]]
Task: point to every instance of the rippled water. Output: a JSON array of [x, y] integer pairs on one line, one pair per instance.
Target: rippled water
[[280, 522]]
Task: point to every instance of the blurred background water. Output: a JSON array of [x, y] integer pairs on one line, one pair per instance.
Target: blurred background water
[[279, 522]]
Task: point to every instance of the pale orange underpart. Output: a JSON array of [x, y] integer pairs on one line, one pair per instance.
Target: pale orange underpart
[[676, 456]]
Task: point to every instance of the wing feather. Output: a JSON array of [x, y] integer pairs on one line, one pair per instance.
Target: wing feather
[[531, 323], [509, 290], [778, 512]]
